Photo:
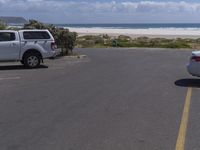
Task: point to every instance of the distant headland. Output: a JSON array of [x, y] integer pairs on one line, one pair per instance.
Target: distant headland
[[13, 21]]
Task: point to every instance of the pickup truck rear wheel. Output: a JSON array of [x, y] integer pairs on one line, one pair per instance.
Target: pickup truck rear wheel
[[32, 60]]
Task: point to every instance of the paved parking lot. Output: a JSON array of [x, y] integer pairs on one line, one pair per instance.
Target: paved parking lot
[[115, 99]]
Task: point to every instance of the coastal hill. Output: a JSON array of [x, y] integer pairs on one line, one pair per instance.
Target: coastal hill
[[13, 20]]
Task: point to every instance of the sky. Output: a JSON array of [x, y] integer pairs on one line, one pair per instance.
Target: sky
[[104, 11]]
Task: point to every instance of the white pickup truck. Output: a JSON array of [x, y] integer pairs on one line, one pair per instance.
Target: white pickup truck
[[29, 47]]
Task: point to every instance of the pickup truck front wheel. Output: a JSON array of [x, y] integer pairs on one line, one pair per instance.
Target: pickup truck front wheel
[[32, 60]]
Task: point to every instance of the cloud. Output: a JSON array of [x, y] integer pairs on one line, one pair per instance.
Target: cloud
[[97, 6], [38, 8]]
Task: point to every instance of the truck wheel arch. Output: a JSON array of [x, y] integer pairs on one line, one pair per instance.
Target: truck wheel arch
[[32, 51]]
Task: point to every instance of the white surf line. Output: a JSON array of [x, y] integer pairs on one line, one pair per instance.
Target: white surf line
[[9, 78]]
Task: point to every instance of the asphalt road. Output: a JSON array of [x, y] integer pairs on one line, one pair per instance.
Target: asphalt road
[[115, 99]]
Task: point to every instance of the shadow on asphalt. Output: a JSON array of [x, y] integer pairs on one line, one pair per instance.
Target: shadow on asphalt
[[188, 83], [19, 67]]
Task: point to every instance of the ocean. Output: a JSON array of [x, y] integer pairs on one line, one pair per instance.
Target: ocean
[[169, 29], [133, 26]]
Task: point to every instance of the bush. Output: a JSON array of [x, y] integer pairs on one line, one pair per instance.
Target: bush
[[90, 41], [2, 26], [85, 43], [63, 37], [124, 38]]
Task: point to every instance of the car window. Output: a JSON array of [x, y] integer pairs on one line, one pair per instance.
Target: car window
[[36, 35], [7, 36]]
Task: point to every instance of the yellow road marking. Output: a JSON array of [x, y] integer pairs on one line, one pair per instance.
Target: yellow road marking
[[180, 143]]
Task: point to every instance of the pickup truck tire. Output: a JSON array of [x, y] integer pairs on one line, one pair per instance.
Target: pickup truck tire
[[32, 60]]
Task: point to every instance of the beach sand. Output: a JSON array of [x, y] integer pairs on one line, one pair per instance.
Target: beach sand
[[170, 33]]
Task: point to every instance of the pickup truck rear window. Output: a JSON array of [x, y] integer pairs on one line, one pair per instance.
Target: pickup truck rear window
[[36, 35], [7, 36]]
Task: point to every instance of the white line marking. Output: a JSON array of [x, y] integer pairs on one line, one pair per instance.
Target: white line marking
[[10, 78]]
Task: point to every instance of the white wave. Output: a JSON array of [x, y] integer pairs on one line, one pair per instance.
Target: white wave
[[148, 31]]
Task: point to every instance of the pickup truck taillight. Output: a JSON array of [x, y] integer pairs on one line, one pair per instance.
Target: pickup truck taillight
[[53, 46], [195, 58]]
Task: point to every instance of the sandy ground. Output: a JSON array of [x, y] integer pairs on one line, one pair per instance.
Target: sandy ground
[[134, 33]]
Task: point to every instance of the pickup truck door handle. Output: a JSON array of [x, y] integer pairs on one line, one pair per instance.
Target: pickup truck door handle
[[13, 44]]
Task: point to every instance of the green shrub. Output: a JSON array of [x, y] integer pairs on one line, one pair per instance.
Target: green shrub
[[90, 41], [85, 43], [124, 38], [2, 26]]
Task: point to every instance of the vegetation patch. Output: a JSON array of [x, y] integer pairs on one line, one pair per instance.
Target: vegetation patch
[[103, 41]]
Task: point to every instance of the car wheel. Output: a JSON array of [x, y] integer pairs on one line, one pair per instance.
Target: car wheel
[[32, 60]]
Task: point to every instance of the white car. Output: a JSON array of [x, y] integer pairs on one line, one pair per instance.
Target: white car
[[29, 47], [194, 66]]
